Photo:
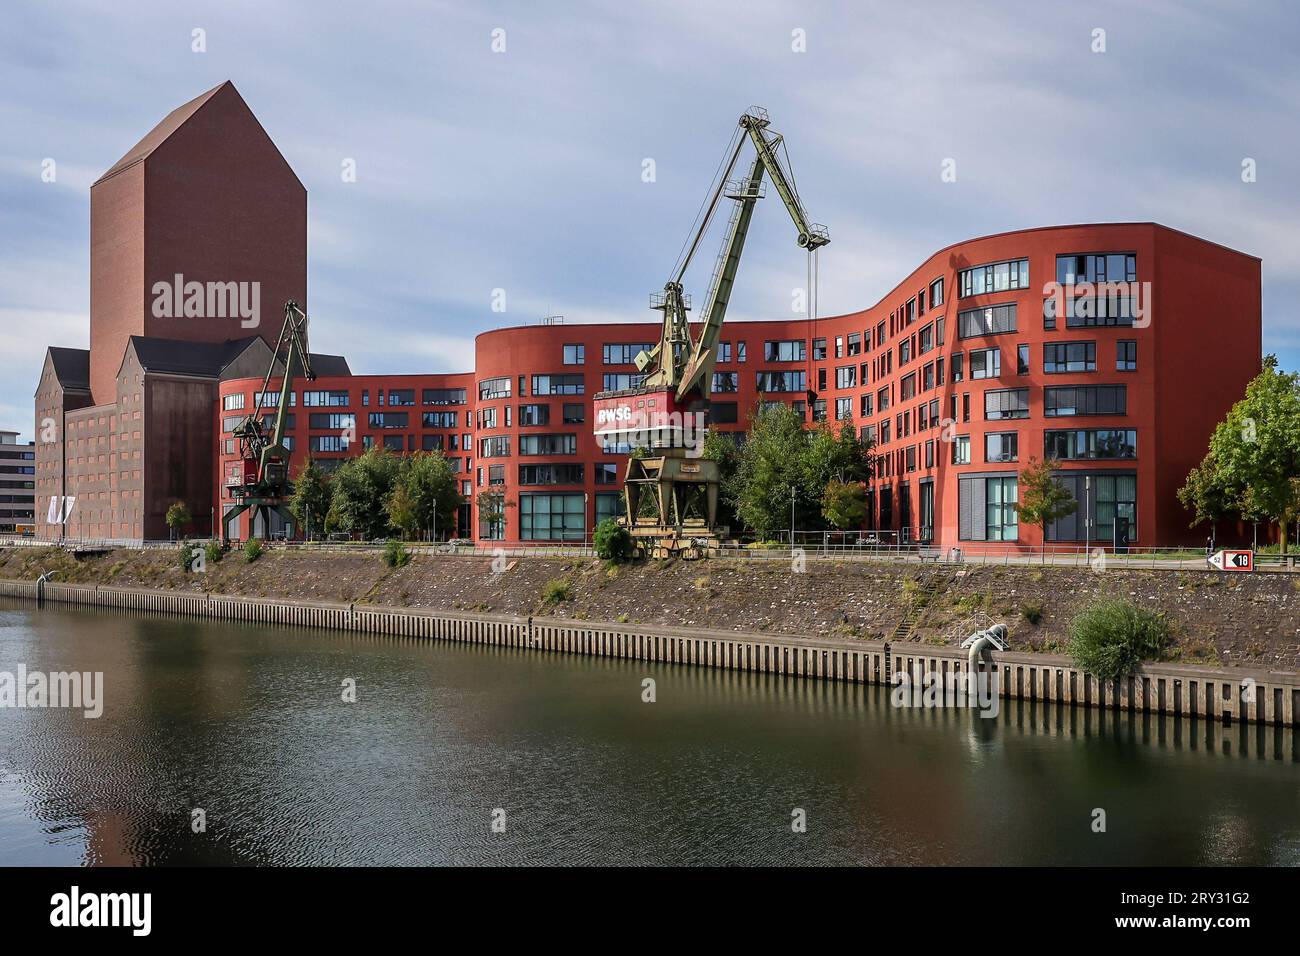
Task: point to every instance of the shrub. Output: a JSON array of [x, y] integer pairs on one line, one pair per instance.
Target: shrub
[[1032, 612], [396, 555], [613, 542], [214, 552], [1110, 637], [252, 550], [187, 557], [556, 591]]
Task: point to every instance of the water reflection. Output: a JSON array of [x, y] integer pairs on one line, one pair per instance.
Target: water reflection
[[248, 724]]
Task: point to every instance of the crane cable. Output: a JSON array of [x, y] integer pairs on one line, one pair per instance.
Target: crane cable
[[711, 201]]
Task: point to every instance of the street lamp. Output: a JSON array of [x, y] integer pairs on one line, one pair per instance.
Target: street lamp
[[792, 491]]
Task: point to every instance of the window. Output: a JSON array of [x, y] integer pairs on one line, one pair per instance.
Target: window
[[606, 473], [549, 474], [782, 381], [994, 277], [431, 442], [623, 353], [389, 420], [907, 387], [619, 381], [559, 384], [855, 343], [1001, 447], [843, 409], [925, 340], [548, 444], [864, 406], [726, 381], [575, 354], [574, 414], [785, 350], [957, 367], [232, 403], [1086, 443], [1022, 359], [317, 399], [985, 363], [961, 450], [1000, 520], [272, 399], [1126, 355], [723, 413], [1102, 497], [846, 376], [544, 517], [819, 349], [487, 417], [993, 320], [498, 446], [1061, 357], [882, 398], [327, 443], [936, 293], [1006, 403], [724, 352], [334, 421], [401, 396], [493, 388], [1096, 267], [436, 419], [1066, 400], [534, 415], [819, 410], [444, 396]]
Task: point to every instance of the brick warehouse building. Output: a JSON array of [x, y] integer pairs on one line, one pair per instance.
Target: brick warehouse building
[[960, 374]]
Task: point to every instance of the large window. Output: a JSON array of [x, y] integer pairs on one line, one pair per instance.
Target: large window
[[726, 381], [317, 399], [985, 363], [993, 320], [333, 421], [233, 403], [491, 388], [782, 381], [1000, 510], [575, 354], [1126, 355], [437, 419], [785, 350], [558, 384], [1102, 497], [1001, 447], [1066, 357], [550, 474], [389, 420], [574, 413], [994, 277], [1096, 267], [846, 376], [1090, 310], [544, 517], [936, 293], [401, 396], [1067, 400], [961, 450], [1085, 443], [623, 353], [444, 396], [534, 414], [497, 446], [548, 444], [327, 443], [1006, 403]]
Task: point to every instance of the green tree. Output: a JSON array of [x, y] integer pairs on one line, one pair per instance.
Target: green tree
[[1043, 499], [844, 504], [492, 505], [613, 542], [722, 448], [424, 496], [770, 464], [311, 498], [1253, 465], [178, 517], [361, 489]]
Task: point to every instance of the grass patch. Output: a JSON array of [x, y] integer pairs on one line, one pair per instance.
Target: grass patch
[[1032, 612], [253, 550], [396, 555], [1110, 637], [556, 591]]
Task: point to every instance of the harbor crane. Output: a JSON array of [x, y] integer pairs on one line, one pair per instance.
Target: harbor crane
[[259, 479], [662, 418]]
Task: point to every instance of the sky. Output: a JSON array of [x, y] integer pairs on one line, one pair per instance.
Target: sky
[[504, 146]]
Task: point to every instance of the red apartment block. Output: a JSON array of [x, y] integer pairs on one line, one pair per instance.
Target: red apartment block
[[963, 372]]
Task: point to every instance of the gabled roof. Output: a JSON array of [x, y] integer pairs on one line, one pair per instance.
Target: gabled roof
[[71, 367], [158, 135], [206, 359]]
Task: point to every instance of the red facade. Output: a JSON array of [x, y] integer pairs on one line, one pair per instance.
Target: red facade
[[1124, 385]]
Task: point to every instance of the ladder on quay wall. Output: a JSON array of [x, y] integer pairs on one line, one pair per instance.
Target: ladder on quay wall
[[906, 629]]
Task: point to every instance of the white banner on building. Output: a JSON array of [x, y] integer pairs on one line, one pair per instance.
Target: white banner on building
[[60, 509]]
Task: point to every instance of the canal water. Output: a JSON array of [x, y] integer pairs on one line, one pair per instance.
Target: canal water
[[248, 725]]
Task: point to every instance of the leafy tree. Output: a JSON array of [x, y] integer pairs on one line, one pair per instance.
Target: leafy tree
[[722, 448], [770, 464], [1110, 637], [613, 542], [424, 495], [492, 505], [1253, 465], [178, 517], [1043, 499], [362, 487], [310, 501], [844, 504]]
